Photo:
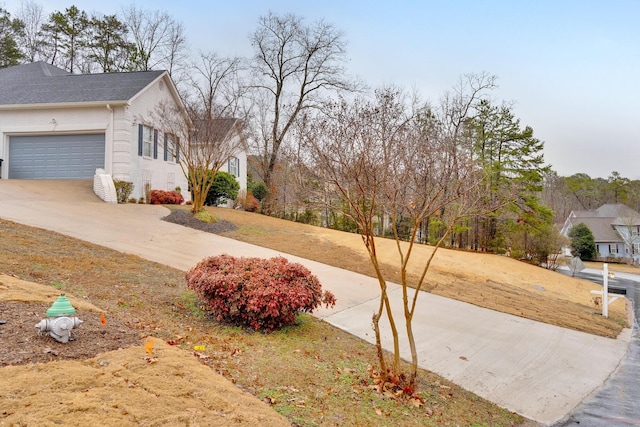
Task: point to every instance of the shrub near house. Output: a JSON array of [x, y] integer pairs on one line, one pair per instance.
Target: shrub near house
[[264, 294], [161, 197]]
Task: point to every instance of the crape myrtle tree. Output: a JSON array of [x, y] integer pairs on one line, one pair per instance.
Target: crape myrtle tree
[[389, 154], [295, 65], [198, 144], [199, 135]]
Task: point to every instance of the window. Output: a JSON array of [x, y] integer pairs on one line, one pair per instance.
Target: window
[[613, 249], [170, 148], [234, 166], [145, 141], [636, 248]]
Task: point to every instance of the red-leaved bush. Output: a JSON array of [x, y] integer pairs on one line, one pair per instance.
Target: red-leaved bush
[[264, 294], [161, 197]]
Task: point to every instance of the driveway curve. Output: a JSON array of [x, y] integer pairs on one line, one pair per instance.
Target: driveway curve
[[540, 371]]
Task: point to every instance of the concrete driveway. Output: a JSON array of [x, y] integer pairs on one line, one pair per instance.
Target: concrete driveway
[[538, 370]]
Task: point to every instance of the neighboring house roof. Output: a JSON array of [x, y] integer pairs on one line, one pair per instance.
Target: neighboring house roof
[[222, 127], [42, 83], [601, 229], [601, 221], [219, 130]]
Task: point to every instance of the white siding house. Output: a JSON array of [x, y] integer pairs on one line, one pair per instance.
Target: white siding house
[[57, 125]]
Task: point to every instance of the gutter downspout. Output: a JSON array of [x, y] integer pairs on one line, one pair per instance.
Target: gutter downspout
[[108, 143]]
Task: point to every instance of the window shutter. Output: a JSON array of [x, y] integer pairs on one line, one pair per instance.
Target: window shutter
[[166, 149], [155, 143], [177, 147], [139, 140]]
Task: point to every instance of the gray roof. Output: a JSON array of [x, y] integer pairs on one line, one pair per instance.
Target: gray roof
[[601, 221], [42, 83], [601, 228]]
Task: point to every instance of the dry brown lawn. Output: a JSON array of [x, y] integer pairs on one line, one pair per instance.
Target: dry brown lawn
[[491, 281], [312, 373]]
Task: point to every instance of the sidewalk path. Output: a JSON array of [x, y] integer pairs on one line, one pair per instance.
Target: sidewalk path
[[538, 370]]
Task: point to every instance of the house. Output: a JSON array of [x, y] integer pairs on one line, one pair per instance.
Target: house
[[58, 125], [615, 228]]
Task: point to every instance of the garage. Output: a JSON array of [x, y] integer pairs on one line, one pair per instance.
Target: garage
[[55, 156]]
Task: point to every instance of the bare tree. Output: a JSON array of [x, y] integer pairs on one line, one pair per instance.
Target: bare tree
[[159, 41], [295, 65], [32, 42], [216, 85], [211, 128], [201, 144], [628, 227], [391, 155]]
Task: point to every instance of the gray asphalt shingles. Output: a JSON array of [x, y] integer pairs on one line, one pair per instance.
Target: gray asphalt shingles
[[41, 83]]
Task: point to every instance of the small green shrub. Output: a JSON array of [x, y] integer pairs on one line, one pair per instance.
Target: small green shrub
[[264, 294], [123, 190], [259, 190], [205, 216], [225, 187]]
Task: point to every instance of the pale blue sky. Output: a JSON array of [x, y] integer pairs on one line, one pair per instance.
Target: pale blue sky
[[572, 68]]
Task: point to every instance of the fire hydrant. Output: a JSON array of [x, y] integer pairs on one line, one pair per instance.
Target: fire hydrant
[[59, 324]]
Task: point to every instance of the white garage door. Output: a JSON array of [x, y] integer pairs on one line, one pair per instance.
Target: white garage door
[[55, 156]]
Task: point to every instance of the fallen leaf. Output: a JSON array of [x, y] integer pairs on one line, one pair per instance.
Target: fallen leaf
[[149, 346], [378, 411], [103, 320], [200, 355], [416, 402], [463, 358]]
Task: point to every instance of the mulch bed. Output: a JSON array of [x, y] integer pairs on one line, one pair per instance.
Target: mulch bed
[[20, 343], [185, 218]]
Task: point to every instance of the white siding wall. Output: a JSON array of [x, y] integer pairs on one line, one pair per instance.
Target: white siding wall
[[161, 175], [242, 157]]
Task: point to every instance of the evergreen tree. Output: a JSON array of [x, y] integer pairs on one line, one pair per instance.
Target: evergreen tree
[[67, 33], [583, 244], [108, 46], [514, 168], [225, 187], [10, 32]]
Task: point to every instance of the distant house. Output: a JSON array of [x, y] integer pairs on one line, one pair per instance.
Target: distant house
[[58, 125], [615, 227]]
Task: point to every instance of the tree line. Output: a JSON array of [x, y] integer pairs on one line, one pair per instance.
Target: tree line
[[134, 40], [295, 87]]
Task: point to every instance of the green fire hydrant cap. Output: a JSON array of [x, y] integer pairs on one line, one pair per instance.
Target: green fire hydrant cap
[[61, 307]]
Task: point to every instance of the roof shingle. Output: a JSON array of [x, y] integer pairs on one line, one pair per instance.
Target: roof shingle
[[42, 83]]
